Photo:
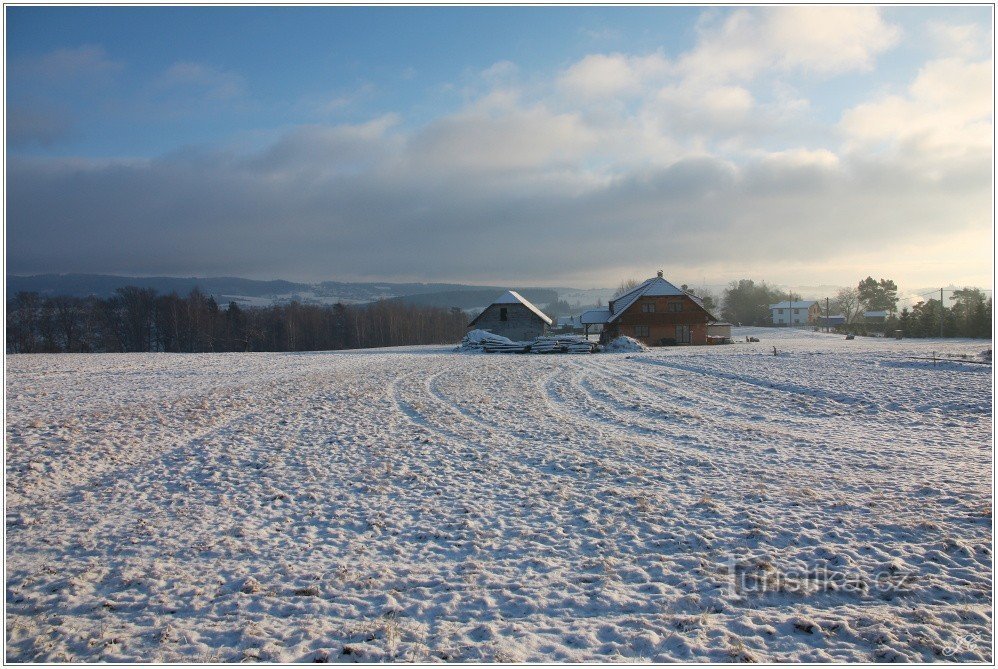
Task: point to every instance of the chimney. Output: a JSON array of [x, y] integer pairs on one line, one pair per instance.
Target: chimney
[[660, 274]]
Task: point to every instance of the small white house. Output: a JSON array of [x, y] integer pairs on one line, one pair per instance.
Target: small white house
[[796, 312], [875, 316]]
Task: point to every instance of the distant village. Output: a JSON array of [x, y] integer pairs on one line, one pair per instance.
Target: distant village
[[656, 312]]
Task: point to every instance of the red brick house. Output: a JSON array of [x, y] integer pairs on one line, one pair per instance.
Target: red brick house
[[655, 313]]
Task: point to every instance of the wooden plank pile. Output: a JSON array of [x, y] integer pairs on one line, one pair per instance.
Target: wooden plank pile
[[481, 340], [495, 346], [562, 344]]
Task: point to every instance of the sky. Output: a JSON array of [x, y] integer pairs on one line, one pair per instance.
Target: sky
[[559, 146]]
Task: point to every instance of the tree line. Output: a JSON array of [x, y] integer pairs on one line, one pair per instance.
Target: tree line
[[142, 320], [968, 313]]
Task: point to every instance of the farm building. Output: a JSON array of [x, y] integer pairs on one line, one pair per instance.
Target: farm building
[[804, 312], [875, 316], [719, 330], [568, 323], [512, 315], [655, 313]]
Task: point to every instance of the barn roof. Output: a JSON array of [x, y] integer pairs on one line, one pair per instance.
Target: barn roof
[[595, 316], [654, 287], [513, 297]]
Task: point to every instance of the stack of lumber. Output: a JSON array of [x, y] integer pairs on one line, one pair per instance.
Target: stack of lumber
[[562, 344], [493, 346], [477, 339]]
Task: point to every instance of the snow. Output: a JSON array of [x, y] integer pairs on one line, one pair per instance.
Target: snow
[[829, 502], [625, 344]]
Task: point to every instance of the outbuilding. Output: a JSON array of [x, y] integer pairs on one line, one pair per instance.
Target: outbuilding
[[716, 329], [513, 316]]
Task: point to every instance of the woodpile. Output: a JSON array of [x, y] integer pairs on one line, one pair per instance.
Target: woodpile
[[490, 346], [480, 340], [562, 344]]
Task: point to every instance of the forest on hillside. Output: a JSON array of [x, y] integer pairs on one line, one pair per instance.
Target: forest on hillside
[[142, 320]]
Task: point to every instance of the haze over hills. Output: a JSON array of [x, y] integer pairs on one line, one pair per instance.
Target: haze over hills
[[469, 297], [250, 292]]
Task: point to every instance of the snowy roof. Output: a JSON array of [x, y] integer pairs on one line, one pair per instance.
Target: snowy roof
[[796, 304], [512, 297], [595, 316], [874, 314], [654, 287]]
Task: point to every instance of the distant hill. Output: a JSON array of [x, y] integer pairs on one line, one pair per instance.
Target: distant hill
[[104, 285], [477, 297], [250, 292]]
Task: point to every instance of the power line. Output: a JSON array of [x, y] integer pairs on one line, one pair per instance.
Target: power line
[[932, 293]]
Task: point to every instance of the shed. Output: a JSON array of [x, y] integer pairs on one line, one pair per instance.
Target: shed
[[512, 315], [716, 329]]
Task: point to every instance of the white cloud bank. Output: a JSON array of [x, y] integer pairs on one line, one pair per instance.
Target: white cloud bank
[[619, 164]]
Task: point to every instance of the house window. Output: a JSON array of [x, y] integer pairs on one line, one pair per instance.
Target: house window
[[796, 311], [641, 331], [503, 314], [683, 334], [779, 311], [675, 306], [648, 307]]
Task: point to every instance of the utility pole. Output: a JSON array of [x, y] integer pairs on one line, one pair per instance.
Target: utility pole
[[827, 318], [942, 313]]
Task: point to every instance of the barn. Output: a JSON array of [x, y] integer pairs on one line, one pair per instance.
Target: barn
[[655, 313], [512, 315]]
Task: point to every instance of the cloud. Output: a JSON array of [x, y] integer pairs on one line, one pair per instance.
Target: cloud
[[513, 139], [958, 40], [599, 75], [707, 161], [89, 61], [328, 105], [36, 125], [500, 72], [213, 84], [321, 151], [948, 109], [814, 40], [470, 197]]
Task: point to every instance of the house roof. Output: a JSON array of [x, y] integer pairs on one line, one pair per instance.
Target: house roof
[[874, 314], [595, 316], [796, 304], [654, 287], [513, 297]]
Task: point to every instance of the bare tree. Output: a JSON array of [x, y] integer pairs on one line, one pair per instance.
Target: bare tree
[[625, 287], [847, 303]]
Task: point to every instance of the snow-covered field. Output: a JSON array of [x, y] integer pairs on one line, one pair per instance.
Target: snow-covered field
[[831, 502]]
